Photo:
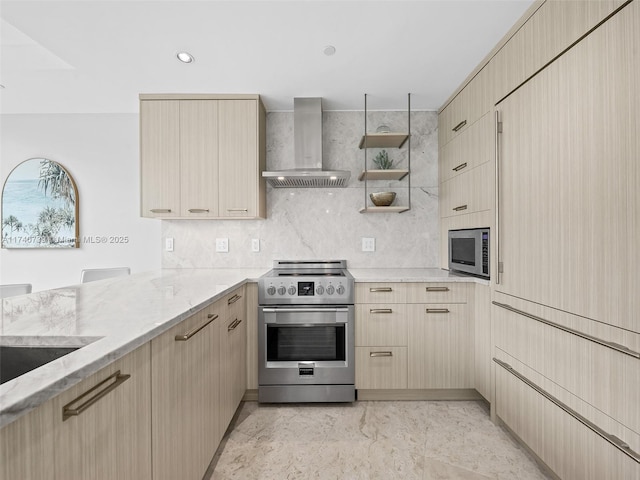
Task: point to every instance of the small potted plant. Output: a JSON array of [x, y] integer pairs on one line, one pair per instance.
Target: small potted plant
[[382, 160]]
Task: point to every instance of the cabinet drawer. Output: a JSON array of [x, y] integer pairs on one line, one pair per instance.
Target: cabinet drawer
[[380, 293], [438, 292], [567, 445], [601, 376], [381, 324], [468, 192], [468, 150], [440, 343], [381, 367]]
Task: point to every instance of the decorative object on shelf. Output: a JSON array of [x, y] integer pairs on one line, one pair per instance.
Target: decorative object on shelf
[[382, 199], [383, 129], [40, 206], [382, 160]]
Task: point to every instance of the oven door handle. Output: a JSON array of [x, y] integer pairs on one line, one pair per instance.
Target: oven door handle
[[305, 310]]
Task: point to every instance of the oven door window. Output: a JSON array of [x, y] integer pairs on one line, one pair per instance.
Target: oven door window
[[306, 343]]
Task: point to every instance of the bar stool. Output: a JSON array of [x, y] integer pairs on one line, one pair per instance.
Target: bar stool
[[10, 290], [93, 274]]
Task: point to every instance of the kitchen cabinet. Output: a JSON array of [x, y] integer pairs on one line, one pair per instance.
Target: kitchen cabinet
[[233, 355], [201, 156], [385, 140], [440, 340], [381, 336], [97, 429], [568, 191], [186, 395]]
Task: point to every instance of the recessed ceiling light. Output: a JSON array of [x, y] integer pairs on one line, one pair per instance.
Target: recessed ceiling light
[[185, 57], [329, 50]]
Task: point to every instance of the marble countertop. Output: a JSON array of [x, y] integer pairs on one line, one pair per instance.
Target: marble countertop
[[411, 275], [109, 319]]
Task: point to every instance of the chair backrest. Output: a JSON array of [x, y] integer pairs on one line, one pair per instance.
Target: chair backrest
[[14, 289], [93, 274]]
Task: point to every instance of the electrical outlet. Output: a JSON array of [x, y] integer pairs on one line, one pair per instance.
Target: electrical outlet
[[368, 244], [255, 244], [222, 245], [168, 244]]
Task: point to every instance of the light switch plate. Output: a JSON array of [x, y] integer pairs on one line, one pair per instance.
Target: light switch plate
[[222, 245], [255, 244], [168, 244], [368, 244]]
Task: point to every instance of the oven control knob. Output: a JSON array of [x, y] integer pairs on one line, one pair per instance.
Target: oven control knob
[[271, 290], [320, 290], [292, 290], [282, 290], [330, 290], [340, 290]]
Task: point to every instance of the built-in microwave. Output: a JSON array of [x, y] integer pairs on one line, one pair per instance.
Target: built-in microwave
[[469, 251]]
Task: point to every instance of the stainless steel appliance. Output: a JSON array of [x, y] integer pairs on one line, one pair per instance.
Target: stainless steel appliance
[[306, 333], [469, 251]]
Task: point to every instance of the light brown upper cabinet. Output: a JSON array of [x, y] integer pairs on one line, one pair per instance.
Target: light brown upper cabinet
[[202, 156]]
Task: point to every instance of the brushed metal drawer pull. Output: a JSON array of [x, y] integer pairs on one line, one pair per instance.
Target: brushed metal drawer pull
[[183, 338], [437, 310], [381, 354], [612, 439], [234, 299], [459, 126], [460, 167], [233, 325], [102, 389], [237, 209], [612, 345], [380, 310], [198, 210], [160, 210], [460, 208], [381, 289], [437, 289]]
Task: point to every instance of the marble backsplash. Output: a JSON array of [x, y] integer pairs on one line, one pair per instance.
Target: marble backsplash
[[319, 223]]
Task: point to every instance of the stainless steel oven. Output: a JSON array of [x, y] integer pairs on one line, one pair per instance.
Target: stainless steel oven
[[306, 333]]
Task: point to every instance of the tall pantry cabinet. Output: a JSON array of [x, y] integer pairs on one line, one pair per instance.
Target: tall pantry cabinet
[[565, 313]]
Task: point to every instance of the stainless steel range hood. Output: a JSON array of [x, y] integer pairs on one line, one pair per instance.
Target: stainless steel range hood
[[307, 168]]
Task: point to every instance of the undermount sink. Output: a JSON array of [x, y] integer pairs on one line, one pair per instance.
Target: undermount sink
[[18, 360]]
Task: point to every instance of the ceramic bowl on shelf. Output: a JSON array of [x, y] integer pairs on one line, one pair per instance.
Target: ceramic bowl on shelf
[[382, 199]]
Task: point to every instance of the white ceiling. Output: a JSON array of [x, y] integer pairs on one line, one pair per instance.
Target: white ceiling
[[86, 56]]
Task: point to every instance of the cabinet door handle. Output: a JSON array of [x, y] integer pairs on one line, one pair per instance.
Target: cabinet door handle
[[460, 167], [437, 289], [234, 299], [233, 325], [381, 354], [460, 208], [496, 237], [237, 209], [198, 210], [160, 210], [459, 126], [183, 338], [437, 310], [381, 289], [110, 383], [380, 310]]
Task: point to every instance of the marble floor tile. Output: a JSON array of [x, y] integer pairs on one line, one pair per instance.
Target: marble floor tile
[[370, 440]]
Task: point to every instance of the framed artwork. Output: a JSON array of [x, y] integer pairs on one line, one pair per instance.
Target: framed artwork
[[40, 206]]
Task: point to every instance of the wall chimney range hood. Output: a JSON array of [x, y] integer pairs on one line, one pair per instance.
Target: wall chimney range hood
[[307, 168]]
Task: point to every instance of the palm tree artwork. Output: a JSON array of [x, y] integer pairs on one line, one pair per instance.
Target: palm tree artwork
[[39, 206]]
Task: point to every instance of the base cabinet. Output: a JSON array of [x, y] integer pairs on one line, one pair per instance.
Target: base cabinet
[[103, 437], [185, 396]]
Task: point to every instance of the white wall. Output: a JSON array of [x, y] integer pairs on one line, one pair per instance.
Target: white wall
[[307, 223], [101, 153]]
